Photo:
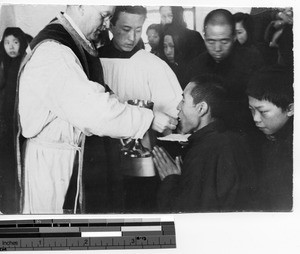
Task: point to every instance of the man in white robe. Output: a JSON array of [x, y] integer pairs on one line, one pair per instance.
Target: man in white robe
[[58, 104], [133, 73]]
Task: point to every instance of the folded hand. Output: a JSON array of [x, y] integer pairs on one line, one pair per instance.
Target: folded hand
[[164, 163]]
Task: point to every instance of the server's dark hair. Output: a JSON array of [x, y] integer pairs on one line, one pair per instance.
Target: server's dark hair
[[140, 10]]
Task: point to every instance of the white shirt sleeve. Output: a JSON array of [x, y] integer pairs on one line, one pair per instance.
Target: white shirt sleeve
[[144, 76], [54, 80], [165, 89]]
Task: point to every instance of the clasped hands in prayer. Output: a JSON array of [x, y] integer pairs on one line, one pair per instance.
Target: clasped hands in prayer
[[165, 164]]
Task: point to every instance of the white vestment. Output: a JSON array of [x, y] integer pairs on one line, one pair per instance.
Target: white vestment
[[143, 76], [57, 106]]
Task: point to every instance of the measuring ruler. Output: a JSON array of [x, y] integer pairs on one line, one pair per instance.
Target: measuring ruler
[[86, 234]]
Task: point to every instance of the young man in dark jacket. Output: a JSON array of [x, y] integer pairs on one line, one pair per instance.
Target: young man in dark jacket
[[271, 102], [217, 172]]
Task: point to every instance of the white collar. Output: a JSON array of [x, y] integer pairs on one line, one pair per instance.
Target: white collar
[[76, 28]]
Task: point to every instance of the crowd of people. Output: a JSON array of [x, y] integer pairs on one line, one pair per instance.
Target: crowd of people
[[64, 110]]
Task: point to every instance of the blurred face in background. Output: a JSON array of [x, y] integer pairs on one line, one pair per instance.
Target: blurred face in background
[[153, 38], [12, 46], [169, 48], [127, 31], [166, 15], [241, 33], [219, 40]]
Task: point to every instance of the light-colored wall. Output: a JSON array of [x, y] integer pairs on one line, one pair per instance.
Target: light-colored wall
[[30, 18], [7, 17], [201, 13]]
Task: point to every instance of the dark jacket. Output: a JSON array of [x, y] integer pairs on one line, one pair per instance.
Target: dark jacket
[[8, 174], [235, 70], [188, 44], [261, 19], [194, 44], [179, 69], [276, 176], [216, 175], [9, 68]]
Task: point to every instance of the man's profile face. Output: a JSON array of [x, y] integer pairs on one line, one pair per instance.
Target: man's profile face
[[127, 31], [188, 116], [96, 19], [267, 116], [219, 40]]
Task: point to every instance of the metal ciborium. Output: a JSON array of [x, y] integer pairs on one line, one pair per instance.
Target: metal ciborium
[[136, 153]]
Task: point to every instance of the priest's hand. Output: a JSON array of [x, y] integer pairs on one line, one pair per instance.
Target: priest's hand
[[163, 122], [164, 163]]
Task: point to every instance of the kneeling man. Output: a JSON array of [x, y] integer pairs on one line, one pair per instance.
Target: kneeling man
[[217, 172]]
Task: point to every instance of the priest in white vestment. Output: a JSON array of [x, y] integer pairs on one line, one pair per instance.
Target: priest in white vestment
[[58, 105]]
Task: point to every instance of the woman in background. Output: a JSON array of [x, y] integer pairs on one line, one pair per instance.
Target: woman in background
[[173, 44], [174, 15], [244, 29], [12, 49]]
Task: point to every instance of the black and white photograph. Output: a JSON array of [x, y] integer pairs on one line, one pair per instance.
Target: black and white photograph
[[184, 110]]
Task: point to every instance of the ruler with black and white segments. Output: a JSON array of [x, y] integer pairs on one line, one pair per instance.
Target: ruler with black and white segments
[[86, 234]]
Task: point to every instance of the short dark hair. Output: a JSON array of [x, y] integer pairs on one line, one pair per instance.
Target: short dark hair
[[273, 84], [246, 20], [140, 10], [210, 88], [219, 17]]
